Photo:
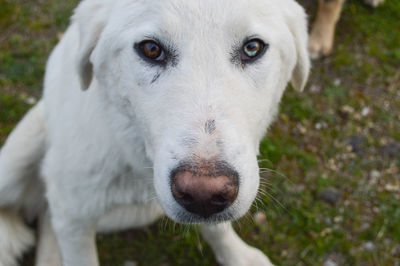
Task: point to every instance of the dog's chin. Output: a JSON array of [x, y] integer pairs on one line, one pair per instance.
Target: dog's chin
[[185, 217]]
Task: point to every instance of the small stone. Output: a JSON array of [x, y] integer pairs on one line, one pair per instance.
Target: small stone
[[330, 262], [347, 109], [338, 219], [369, 246], [392, 150], [298, 188], [330, 195], [302, 129], [325, 232], [328, 221], [375, 174], [130, 263], [337, 82], [315, 88], [365, 111], [284, 253], [392, 188], [365, 226], [320, 125], [374, 177], [59, 35], [260, 218], [30, 100], [396, 250], [356, 143]]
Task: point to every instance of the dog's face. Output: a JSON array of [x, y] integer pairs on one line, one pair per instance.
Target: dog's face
[[201, 81]]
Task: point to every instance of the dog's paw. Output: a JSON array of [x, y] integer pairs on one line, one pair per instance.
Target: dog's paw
[[374, 3], [320, 43], [246, 257], [255, 257]]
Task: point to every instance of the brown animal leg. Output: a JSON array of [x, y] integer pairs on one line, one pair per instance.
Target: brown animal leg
[[323, 30]]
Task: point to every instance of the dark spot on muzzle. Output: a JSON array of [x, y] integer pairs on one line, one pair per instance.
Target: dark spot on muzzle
[[210, 127]]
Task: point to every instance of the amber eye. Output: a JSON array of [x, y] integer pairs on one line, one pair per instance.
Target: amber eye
[[152, 50], [252, 49]]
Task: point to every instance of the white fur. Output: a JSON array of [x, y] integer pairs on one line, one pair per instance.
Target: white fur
[[15, 238], [112, 127], [47, 251], [229, 249]]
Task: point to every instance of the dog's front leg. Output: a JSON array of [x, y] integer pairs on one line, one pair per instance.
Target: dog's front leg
[[76, 240], [47, 251], [229, 249]]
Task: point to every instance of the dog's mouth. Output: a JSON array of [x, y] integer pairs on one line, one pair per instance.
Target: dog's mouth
[[185, 217]]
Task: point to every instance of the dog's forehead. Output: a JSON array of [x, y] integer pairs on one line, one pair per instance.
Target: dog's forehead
[[179, 17]]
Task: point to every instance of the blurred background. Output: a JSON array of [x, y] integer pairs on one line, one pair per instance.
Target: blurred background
[[330, 163]]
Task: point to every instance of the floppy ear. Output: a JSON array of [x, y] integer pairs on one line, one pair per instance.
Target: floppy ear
[[91, 17], [297, 22]]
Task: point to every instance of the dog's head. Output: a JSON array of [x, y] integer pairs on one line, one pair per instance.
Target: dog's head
[[200, 81]]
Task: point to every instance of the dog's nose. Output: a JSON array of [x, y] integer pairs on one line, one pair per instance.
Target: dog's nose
[[206, 188]]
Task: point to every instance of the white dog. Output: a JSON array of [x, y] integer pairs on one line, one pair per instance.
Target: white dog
[[150, 106]]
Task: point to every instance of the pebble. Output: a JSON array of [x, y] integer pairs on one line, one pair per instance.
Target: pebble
[[337, 82], [321, 125], [130, 263], [330, 195], [365, 111], [346, 109], [30, 100], [356, 143], [392, 150], [374, 177], [330, 262], [315, 88], [375, 174], [392, 187], [260, 218], [369, 246], [338, 219]]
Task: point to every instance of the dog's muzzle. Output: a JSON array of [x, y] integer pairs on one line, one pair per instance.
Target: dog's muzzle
[[205, 188]]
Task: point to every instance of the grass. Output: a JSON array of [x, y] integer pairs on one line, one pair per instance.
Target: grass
[[354, 92]]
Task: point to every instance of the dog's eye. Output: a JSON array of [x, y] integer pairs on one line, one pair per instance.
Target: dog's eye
[[152, 51], [252, 49]]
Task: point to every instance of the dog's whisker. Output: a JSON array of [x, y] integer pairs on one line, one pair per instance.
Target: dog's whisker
[[274, 199], [265, 183], [238, 224], [154, 197], [264, 193], [198, 240], [275, 172], [264, 160]]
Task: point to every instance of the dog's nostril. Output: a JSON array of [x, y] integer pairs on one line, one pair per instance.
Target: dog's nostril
[[186, 199], [219, 200]]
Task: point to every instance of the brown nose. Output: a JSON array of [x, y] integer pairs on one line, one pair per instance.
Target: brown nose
[[206, 188]]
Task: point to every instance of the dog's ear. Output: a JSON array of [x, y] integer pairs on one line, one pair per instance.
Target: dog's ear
[[91, 17], [297, 21]]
